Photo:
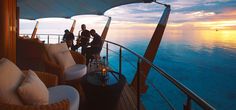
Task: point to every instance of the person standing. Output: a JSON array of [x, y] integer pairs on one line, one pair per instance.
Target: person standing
[[84, 39], [68, 38], [95, 45]]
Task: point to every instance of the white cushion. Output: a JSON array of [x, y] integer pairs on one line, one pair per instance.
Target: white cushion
[[75, 71], [60, 54], [33, 91], [61, 92], [64, 59], [10, 78], [52, 49]]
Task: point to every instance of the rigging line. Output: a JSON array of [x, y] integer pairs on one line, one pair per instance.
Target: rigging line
[[153, 86], [112, 66], [160, 93], [161, 3], [134, 67]]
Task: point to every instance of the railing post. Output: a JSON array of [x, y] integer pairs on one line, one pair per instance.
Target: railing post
[[58, 38], [187, 105], [138, 84], [107, 53], [48, 39], [120, 61]]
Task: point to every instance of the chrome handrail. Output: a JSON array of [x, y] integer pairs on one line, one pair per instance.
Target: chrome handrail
[[190, 94], [179, 85]]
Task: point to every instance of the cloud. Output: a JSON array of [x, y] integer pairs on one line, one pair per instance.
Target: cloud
[[138, 12], [197, 14], [208, 5], [182, 11]]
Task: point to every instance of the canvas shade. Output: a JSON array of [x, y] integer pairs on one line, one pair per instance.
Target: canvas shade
[[34, 9]]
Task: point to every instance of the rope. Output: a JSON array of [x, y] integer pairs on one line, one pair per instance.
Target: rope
[[152, 85], [161, 3]]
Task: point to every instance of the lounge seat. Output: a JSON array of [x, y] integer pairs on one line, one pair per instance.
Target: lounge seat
[[64, 62], [64, 92], [39, 59], [75, 71], [60, 97]]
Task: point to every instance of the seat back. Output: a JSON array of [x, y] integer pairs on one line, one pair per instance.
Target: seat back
[[30, 54]]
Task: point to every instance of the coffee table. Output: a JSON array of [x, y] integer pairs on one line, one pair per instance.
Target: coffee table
[[103, 93]]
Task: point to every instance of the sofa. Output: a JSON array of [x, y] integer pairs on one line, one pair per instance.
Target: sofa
[[16, 86]]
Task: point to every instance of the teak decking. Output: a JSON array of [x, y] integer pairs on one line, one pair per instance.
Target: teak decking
[[127, 100]]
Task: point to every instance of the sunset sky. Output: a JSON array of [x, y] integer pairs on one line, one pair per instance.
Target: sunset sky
[[185, 14], [198, 14]]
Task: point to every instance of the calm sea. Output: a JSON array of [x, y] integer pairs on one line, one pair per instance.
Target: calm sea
[[202, 60]]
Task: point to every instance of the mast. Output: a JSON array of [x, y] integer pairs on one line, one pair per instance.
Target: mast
[[35, 30], [152, 49], [73, 26], [105, 30]]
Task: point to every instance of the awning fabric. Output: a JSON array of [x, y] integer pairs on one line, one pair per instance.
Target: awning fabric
[[34, 9]]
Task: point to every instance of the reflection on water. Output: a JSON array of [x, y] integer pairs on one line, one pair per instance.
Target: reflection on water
[[203, 60], [204, 38]]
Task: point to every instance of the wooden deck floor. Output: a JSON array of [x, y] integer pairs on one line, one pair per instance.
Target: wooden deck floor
[[127, 100]]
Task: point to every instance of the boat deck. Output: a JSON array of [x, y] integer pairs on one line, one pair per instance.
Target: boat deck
[[127, 99]]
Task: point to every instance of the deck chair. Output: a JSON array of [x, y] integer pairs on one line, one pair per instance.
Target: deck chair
[[61, 97], [40, 60]]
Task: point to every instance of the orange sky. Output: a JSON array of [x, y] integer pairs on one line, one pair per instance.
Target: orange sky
[[184, 16]]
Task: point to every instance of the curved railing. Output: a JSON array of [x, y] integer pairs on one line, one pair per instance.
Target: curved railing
[[191, 96]]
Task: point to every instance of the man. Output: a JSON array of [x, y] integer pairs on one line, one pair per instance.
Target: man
[[68, 38], [84, 39], [95, 45]]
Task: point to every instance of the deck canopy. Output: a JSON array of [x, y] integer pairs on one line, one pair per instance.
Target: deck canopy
[[34, 9]]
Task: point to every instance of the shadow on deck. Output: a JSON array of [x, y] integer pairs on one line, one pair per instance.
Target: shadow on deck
[[127, 101]]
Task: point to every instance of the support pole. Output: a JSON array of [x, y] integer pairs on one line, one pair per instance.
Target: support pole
[[35, 31], [17, 21], [105, 30], [152, 49], [73, 26], [138, 84], [8, 29], [120, 61]]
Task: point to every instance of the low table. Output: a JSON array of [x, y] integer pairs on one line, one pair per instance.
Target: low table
[[103, 93]]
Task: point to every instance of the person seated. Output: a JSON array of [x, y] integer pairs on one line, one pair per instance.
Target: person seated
[[68, 37], [95, 45]]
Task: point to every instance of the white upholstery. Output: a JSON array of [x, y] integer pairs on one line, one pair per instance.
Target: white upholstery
[[10, 78], [60, 54], [52, 49], [61, 92], [32, 90], [75, 71], [65, 59]]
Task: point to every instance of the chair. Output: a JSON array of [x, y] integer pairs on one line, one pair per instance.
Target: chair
[[61, 97], [68, 74], [39, 60]]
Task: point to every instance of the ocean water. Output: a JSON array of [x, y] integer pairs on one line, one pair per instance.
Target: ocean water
[[202, 60]]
